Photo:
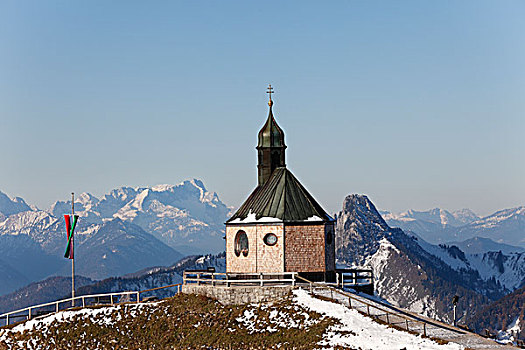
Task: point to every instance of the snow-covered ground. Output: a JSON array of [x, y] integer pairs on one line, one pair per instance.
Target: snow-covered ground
[[508, 336], [360, 332]]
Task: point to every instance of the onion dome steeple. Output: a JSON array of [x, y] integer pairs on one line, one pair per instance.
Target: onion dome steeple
[[270, 146]]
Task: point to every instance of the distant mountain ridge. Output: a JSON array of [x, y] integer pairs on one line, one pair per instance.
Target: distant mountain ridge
[[58, 287], [505, 226], [120, 247], [437, 216], [50, 289], [10, 278], [183, 215], [147, 222], [480, 245]]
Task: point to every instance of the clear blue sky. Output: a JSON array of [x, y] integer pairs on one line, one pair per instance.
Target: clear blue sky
[[417, 104]]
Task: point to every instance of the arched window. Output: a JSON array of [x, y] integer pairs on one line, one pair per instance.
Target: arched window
[[241, 243]]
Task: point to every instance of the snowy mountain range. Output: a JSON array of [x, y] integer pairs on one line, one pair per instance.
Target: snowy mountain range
[[186, 216], [436, 216], [415, 274], [441, 226], [153, 223]]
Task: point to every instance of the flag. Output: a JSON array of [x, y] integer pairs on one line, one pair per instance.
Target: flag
[[70, 229]]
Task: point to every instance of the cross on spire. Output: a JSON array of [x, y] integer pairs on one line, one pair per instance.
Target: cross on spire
[[269, 91]]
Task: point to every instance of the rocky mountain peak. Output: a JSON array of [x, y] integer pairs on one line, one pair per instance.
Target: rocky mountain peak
[[362, 210], [359, 230], [466, 216], [197, 183], [87, 200], [10, 206]]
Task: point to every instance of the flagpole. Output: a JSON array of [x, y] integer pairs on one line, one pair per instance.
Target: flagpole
[[73, 250]]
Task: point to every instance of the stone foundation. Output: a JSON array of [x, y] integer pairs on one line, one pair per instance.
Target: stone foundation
[[237, 295]]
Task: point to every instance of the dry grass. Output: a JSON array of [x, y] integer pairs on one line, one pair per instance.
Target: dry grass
[[181, 322]]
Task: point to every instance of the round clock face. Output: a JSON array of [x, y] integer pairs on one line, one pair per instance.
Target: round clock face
[[270, 239]]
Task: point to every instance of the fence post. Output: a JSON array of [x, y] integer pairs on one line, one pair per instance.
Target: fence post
[[331, 294], [425, 329], [227, 280], [368, 309], [83, 302], [388, 317], [293, 279], [261, 277], [57, 308], [111, 298], [311, 289], [212, 279], [349, 302], [406, 321], [29, 314], [7, 320], [198, 279]]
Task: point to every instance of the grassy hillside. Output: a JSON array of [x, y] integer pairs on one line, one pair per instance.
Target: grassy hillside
[[184, 321], [299, 321]]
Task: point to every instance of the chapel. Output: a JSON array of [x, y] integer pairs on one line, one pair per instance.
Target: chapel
[[280, 227]]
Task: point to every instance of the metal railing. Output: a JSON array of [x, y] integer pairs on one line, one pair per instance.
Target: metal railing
[[239, 279], [55, 306], [30, 312], [396, 318], [354, 277]]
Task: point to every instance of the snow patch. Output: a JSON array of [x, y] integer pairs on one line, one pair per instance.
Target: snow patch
[[359, 332], [251, 218], [509, 335]]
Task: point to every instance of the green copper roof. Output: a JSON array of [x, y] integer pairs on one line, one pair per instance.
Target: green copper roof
[[271, 135], [281, 199]]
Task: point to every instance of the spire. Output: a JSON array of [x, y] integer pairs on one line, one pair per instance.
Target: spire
[[271, 135], [269, 91], [270, 146]]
